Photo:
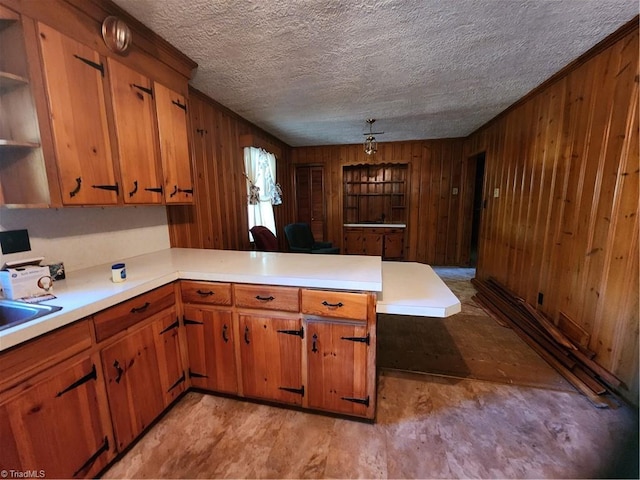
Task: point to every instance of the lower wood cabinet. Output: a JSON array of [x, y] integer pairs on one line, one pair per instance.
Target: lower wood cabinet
[[337, 354], [385, 242], [271, 357], [211, 340], [56, 425], [144, 373]]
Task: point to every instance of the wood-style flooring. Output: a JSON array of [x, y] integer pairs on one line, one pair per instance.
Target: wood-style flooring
[[426, 427]]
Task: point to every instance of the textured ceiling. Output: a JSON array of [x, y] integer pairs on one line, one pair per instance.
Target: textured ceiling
[[310, 72]]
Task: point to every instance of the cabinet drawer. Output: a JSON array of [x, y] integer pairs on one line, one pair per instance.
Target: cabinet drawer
[[335, 304], [211, 293], [42, 352], [122, 316], [267, 296]]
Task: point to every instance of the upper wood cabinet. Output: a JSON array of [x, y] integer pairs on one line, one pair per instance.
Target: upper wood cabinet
[[84, 126], [74, 76], [174, 145], [134, 115]]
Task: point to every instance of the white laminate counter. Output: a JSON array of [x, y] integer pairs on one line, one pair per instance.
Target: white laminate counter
[[415, 289], [403, 288]]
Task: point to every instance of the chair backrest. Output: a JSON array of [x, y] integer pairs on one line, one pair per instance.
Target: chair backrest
[[299, 235], [264, 238]]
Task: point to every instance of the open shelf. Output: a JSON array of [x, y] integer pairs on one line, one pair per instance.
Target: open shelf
[[9, 81], [5, 144]]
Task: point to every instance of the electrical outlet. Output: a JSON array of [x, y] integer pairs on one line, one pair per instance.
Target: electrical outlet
[[14, 241]]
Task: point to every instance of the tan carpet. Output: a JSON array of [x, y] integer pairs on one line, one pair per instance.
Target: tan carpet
[[470, 344]]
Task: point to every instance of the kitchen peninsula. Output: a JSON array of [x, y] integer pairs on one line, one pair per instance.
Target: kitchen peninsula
[[291, 329]]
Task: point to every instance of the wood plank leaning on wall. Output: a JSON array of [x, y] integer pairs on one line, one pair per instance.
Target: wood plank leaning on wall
[[218, 219], [565, 225], [434, 169]]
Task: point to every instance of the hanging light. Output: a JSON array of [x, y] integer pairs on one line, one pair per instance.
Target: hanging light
[[370, 143]]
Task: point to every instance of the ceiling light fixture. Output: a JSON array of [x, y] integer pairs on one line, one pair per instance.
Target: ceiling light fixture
[[370, 143]]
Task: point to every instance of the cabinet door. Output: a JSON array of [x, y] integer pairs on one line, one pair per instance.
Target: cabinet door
[[271, 353], [132, 97], [74, 82], [212, 361], [55, 426], [133, 381], [173, 375], [393, 245], [174, 145], [353, 242], [372, 241], [337, 366]]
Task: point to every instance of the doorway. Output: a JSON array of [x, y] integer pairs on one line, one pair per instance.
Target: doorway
[[476, 173]]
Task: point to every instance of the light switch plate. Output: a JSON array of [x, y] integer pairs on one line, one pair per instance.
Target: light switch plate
[[496, 192]]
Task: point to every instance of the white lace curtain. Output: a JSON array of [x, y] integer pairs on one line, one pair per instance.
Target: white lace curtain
[[262, 190]]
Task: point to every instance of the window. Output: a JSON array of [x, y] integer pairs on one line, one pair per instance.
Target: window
[[262, 190]]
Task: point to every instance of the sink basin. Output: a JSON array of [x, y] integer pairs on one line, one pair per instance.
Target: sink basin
[[13, 312]]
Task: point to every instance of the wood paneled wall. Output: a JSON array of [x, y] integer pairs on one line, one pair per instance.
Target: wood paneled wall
[[565, 224], [219, 217], [435, 167]]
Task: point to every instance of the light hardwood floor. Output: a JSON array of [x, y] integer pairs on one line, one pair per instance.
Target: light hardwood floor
[[426, 427]]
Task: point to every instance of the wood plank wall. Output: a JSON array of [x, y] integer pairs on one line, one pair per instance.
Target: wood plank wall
[[565, 224], [435, 167], [219, 217]]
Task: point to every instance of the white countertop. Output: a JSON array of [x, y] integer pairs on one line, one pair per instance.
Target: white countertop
[[403, 288], [415, 289]]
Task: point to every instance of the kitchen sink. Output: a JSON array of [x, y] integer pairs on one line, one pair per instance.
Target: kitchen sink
[[13, 312]]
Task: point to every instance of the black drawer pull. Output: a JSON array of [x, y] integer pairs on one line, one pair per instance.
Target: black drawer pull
[[265, 299], [332, 305], [75, 191], [202, 293], [140, 309]]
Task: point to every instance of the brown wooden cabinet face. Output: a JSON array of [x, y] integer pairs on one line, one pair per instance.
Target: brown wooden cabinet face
[[48, 429], [134, 113], [393, 245], [353, 242], [271, 357], [373, 241], [171, 370], [133, 381], [337, 366], [74, 82], [171, 111], [210, 338]]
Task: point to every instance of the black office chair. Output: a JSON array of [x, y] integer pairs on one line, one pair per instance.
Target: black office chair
[[300, 239]]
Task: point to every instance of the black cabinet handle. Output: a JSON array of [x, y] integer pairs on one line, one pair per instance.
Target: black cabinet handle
[[202, 293], [265, 299], [246, 335], [140, 309], [118, 368], [225, 335], [135, 189], [75, 191], [175, 190], [314, 349], [332, 305]]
